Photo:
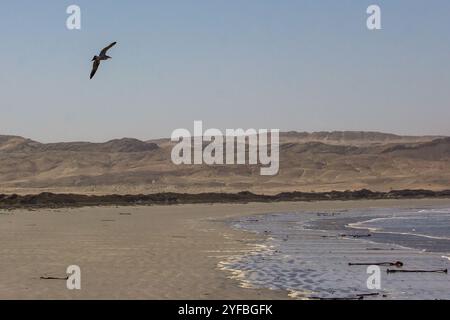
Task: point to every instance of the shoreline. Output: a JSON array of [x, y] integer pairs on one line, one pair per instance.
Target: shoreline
[[325, 247], [141, 252]]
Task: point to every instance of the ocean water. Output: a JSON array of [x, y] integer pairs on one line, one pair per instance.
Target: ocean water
[[308, 253], [422, 229], [433, 224]]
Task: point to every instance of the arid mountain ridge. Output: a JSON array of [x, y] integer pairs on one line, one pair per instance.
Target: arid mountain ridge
[[309, 162]]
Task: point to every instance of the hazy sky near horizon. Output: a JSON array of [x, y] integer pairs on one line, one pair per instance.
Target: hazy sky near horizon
[[291, 65]]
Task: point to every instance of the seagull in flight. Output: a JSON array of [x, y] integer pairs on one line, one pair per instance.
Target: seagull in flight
[[100, 57]]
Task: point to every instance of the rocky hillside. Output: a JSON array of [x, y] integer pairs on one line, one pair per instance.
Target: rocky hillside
[[322, 161]]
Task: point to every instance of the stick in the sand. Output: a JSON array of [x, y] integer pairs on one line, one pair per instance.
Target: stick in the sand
[[418, 271], [356, 297], [382, 264], [356, 235], [375, 294], [349, 236], [55, 278]]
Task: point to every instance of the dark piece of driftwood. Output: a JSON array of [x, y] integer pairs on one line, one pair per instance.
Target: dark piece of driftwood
[[418, 271], [55, 278], [356, 235], [349, 236], [375, 294], [355, 297], [397, 264]]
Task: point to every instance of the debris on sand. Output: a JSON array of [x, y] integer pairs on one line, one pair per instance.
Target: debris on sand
[[54, 278], [397, 264], [418, 271], [355, 297], [356, 236]]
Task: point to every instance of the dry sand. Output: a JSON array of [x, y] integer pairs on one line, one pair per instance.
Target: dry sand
[[157, 252]]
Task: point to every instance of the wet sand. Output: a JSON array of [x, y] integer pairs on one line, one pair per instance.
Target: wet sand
[[152, 252], [310, 254]]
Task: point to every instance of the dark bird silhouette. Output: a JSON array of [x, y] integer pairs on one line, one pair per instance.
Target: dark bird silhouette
[[100, 57]]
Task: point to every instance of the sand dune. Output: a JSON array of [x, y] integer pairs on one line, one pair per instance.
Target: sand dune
[[322, 161]]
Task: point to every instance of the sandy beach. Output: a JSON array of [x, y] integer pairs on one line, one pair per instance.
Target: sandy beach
[[142, 252]]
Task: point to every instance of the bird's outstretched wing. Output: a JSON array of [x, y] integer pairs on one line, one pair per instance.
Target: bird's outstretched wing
[[104, 50], [94, 68]]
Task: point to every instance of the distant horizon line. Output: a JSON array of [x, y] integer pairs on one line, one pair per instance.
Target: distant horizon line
[[436, 136]]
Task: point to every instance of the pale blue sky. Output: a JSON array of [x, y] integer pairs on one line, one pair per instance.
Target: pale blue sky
[[293, 65]]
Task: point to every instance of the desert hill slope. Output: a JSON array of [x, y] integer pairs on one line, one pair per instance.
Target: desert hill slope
[[321, 161]]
